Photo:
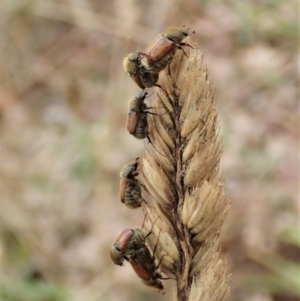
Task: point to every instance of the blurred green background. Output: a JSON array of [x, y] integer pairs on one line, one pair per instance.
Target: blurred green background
[[63, 141]]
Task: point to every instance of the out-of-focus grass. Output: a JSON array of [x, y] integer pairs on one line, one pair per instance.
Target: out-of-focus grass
[[63, 141], [284, 279], [284, 274], [32, 291]]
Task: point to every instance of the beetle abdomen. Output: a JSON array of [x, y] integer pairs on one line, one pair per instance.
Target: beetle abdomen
[[132, 194]]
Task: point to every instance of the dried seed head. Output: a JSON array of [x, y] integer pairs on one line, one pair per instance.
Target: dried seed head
[[188, 192]]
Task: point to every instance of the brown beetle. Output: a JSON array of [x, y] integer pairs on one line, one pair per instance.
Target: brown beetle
[[131, 65], [161, 50], [144, 67], [126, 244], [130, 246], [144, 266], [137, 124], [137, 116], [117, 250], [130, 188], [138, 73]]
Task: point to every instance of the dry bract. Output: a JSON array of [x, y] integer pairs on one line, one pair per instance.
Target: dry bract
[[212, 281]]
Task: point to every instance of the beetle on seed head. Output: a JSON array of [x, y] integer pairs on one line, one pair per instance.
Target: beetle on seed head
[[146, 270], [144, 67], [130, 187], [143, 263], [126, 244], [137, 124], [137, 116], [130, 246], [131, 65], [140, 75], [161, 50], [176, 34]]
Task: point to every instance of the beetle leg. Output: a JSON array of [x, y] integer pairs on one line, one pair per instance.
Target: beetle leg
[[154, 250], [145, 188], [126, 258], [186, 44], [180, 46], [146, 54], [156, 113], [159, 263], [159, 276], [134, 174], [150, 232], [150, 108], [149, 140], [183, 50], [169, 71], [159, 86], [144, 221]]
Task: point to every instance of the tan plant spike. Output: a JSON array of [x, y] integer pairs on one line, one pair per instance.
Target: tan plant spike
[[182, 176]]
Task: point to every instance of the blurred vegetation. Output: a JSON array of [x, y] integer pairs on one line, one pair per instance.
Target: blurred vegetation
[[63, 102]]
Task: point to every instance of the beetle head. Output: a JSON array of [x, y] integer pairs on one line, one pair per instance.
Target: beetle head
[[129, 169], [130, 63], [116, 256], [176, 34]]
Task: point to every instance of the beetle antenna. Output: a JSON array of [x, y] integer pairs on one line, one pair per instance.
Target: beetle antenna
[[155, 113]]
